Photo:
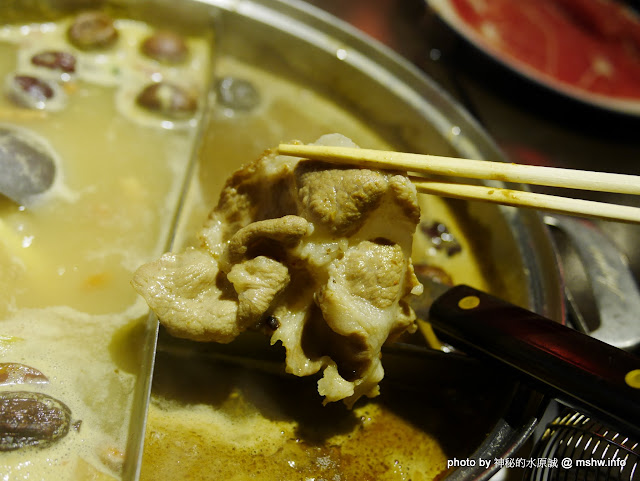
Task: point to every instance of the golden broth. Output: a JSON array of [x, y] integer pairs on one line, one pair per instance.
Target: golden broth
[[66, 304]]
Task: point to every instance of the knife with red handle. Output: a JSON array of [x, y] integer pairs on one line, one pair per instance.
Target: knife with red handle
[[574, 368]]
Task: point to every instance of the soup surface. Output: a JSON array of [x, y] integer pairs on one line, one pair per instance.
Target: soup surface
[[67, 255]]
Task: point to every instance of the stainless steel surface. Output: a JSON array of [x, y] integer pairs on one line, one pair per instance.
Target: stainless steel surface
[[595, 451], [615, 292], [137, 429]]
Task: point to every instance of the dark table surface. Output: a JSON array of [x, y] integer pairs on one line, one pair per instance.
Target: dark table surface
[[532, 124]]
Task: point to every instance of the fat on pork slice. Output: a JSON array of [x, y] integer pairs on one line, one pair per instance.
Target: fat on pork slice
[[316, 255]]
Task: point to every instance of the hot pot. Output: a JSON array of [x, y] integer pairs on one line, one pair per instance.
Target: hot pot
[[308, 74]]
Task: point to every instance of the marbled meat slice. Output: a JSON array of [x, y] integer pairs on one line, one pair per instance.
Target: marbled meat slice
[[323, 250]]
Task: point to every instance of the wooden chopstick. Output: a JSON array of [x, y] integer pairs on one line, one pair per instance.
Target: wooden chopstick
[[479, 169], [472, 169], [518, 198]]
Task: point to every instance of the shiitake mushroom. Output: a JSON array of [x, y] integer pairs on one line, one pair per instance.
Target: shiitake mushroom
[[92, 30], [63, 62], [31, 419], [33, 92], [27, 164], [168, 100], [165, 46], [237, 94]]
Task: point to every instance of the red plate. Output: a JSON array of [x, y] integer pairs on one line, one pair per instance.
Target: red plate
[[586, 49]]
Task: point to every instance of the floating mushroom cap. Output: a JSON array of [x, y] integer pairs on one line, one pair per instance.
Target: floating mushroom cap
[[27, 164], [92, 30], [165, 46], [168, 99]]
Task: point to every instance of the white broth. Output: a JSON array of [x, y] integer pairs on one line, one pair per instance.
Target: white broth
[[66, 304]]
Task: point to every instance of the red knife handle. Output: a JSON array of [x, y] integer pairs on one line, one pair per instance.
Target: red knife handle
[[576, 369]]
